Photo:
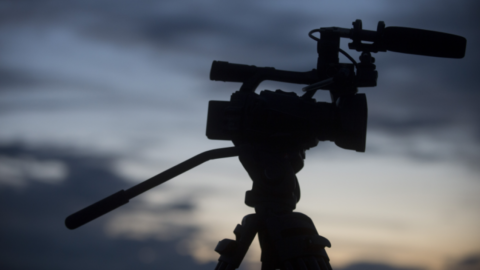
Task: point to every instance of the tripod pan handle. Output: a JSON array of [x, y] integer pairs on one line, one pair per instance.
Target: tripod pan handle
[[96, 210]]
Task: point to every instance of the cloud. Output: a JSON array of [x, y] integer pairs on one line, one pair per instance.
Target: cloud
[[16, 171], [33, 232], [471, 262], [77, 55], [415, 94], [10, 77], [375, 266]]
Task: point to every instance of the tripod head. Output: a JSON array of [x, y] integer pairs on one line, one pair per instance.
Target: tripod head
[[300, 122]]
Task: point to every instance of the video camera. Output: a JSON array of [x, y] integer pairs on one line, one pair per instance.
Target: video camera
[[294, 121], [288, 122]]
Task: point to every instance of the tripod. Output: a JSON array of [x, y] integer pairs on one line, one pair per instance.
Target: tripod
[[288, 240], [272, 130]]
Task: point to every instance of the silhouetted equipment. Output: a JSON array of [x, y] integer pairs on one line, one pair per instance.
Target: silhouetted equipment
[[123, 196], [272, 130]]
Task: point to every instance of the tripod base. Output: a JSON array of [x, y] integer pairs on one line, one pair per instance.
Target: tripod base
[[288, 241]]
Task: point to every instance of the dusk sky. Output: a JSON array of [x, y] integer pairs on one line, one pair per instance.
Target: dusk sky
[[96, 96]]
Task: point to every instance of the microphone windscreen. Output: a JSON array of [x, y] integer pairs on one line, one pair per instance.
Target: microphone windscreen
[[424, 42]]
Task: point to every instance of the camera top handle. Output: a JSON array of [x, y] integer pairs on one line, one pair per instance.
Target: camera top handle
[[396, 39]]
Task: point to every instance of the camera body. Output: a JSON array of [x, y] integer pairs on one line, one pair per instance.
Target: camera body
[[288, 120]]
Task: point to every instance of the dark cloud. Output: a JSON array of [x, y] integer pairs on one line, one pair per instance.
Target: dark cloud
[[375, 266], [32, 230], [471, 262], [434, 93], [406, 126], [11, 77]]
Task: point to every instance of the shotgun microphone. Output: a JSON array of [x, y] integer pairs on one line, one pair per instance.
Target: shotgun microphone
[[423, 42], [397, 39]]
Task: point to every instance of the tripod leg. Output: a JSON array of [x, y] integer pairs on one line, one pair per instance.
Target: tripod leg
[[269, 256], [232, 252]]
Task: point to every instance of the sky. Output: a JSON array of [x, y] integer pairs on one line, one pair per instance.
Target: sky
[[96, 96]]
